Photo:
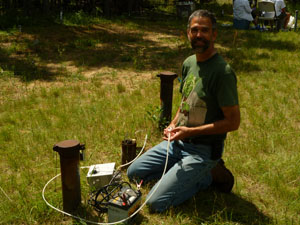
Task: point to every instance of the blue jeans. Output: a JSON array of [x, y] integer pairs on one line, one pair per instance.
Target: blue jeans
[[241, 24], [188, 171]]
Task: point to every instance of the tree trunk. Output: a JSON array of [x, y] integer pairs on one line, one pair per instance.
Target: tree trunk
[[107, 7], [66, 4], [92, 7], [46, 6], [77, 4], [27, 7], [130, 6], [59, 5], [14, 4], [6, 4]]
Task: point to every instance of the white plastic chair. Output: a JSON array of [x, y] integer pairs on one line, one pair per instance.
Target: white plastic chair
[[267, 12]]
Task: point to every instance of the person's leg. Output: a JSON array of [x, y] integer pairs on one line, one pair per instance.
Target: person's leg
[[184, 179], [254, 16], [281, 21], [150, 165], [241, 24], [286, 20]]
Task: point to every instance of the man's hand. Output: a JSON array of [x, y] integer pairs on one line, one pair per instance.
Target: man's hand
[[167, 131], [230, 122], [177, 133]]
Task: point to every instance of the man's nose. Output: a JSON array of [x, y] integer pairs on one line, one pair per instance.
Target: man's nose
[[199, 33]]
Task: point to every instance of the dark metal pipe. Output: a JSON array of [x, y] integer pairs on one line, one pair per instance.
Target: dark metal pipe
[[69, 152], [128, 151], [166, 96]]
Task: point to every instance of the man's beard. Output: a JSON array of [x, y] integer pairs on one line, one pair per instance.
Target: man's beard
[[202, 48]]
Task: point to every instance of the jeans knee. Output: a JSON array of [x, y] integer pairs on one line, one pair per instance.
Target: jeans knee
[[130, 173]]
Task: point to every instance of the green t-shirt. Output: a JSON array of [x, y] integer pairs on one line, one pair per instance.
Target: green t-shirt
[[206, 87]]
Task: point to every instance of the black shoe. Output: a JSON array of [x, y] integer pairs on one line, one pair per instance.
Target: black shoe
[[223, 180]]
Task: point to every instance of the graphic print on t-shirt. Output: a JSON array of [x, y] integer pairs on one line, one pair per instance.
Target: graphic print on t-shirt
[[192, 108]]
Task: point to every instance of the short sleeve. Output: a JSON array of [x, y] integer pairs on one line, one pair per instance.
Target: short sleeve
[[227, 94], [184, 71]]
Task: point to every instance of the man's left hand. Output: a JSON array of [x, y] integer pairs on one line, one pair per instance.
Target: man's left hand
[[178, 133]]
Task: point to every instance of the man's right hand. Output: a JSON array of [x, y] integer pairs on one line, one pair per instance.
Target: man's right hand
[[168, 130], [178, 133]]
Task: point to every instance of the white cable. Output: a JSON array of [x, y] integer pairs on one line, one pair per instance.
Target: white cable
[[120, 221], [5, 194], [165, 168]]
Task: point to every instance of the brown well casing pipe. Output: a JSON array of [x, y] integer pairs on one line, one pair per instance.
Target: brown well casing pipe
[[128, 151], [166, 97], [69, 152]]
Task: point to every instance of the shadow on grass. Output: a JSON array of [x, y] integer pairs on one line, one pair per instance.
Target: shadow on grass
[[88, 48], [266, 40], [24, 67], [210, 206], [237, 59], [244, 49], [254, 39], [133, 45]]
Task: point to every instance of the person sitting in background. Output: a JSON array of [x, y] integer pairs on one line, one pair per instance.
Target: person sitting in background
[[242, 14], [282, 14]]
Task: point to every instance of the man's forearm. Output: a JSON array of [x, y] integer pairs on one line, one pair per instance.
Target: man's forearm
[[175, 119], [218, 127], [230, 122]]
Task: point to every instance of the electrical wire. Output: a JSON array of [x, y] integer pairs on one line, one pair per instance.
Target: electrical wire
[[120, 221], [5, 194], [107, 192]]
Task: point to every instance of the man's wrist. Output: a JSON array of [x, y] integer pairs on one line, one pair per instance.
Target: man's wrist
[[172, 125]]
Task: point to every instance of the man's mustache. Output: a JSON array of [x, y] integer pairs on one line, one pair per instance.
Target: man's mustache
[[200, 39]]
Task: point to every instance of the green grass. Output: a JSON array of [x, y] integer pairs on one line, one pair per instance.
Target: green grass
[[96, 82]]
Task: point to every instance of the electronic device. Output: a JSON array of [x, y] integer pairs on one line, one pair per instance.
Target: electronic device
[[100, 175]]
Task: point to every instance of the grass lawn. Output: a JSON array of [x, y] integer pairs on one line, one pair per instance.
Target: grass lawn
[[96, 82]]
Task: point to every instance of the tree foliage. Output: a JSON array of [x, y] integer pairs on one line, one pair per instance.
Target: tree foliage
[[106, 7]]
